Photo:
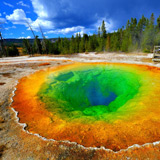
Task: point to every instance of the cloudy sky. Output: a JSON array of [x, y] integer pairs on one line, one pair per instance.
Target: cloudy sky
[[66, 17]]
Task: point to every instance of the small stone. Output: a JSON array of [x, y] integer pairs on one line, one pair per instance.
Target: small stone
[[1, 120]]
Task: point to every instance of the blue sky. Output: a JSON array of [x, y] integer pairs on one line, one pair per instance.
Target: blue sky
[[67, 17]]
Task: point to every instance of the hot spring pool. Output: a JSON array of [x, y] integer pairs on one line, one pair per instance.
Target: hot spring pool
[[93, 104]]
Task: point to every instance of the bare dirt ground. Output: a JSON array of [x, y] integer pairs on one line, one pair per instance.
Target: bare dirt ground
[[16, 144]]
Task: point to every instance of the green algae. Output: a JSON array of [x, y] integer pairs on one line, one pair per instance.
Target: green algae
[[94, 92]]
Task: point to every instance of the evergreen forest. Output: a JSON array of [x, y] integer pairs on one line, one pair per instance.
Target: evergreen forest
[[137, 36]]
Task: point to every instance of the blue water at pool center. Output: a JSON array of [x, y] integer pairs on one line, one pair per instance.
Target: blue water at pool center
[[96, 97]]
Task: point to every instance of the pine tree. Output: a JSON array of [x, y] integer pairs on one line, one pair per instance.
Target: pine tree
[[27, 47], [77, 43], [158, 22], [103, 30], [140, 29], [37, 47], [12, 51], [108, 43], [149, 36], [99, 31], [126, 42], [72, 45], [133, 30], [66, 46], [157, 35], [3, 51], [82, 45]]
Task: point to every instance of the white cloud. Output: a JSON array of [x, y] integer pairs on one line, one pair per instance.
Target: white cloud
[[67, 30], [4, 13], [7, 28], [8, 4], [50, 10], [81, 33], [18, 17], [68, 13], [44, 24], [29, 37], [108, 23], [2, 20], [0, 14], [23, 4], [14, 27], [56, 14], [42, 10], [8, 34], [11, 34], [23, 33]]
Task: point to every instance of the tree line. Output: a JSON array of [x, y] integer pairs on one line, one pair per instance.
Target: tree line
[[137, 35], [75, 44]]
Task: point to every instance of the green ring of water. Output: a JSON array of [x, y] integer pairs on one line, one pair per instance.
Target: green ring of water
[[94, 92]]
